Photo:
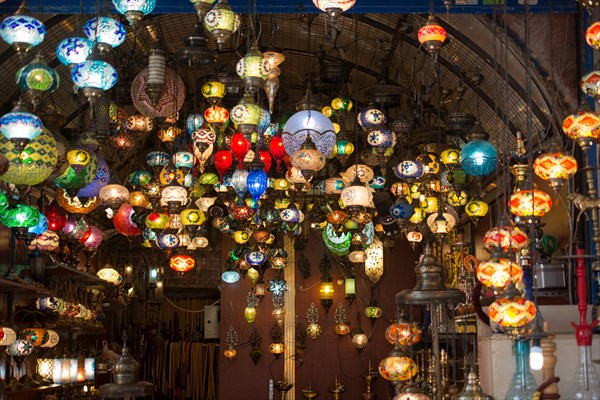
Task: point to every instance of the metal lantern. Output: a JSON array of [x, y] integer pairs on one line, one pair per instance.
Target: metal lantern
[[134, 10], [253, 68], [221, 22], [20, 126], [22, 32], [157, 64], [107, 33], [74, 50]]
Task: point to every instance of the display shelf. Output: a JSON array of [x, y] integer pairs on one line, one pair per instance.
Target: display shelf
[[7, 285], [29, 393]]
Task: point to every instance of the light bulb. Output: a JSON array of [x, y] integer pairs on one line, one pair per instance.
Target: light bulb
[[536, 358]]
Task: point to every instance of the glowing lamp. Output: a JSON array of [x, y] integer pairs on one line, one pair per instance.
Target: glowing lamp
[[139, 124], [74, 50], [230, 276], [555, 167], [397, 367], [253, 68], [409, 169], [20, 348], [476, 209], [213, 91], [530, 203], [107, 33], [8, 336], [182, 263], [20, 218], [583, 126], [512, 313], [45, 368], [590, 84], [37, 78], [374, 261], [370, 118], [478, 158], [403, 333], [221, 22], [356, 196], [22, 32], [359, 339], [373, 312], [592, 35], [431, 35], [109, 274], [334, 7], [450, 157], [20, 127], [134, 10], [257, 181], [239, 147], [507, 237], [499, 272], [308, 159], [216, 116], [113, 195], [277, 150], [246, 116], [94, 77]]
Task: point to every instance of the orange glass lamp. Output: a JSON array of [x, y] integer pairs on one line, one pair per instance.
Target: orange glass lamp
[[530, 203], [431, 35], [403, 333], [182, 263], [341, 324], [513, 313], [498, 272], [37, 336], [583, 126], [592, 35], [556, 167], [398, 367], [505, 236]]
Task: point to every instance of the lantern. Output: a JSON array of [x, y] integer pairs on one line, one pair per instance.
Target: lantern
[[403, 333], [476, 209], [110, 275], [359, 339], [37, 78], [221, 22], [107, 33], [370, 118], [45, 368], [40, 227], [182, 263], [216, 116], [74, 50], [134, 10], [253, 68], [20, 348], [590, 84], [100, 180], [53, 339], [213, 91], [8, 336], [81, 170], [20, 127], [511, 313], [478, 158], [499, 272], [556, 167], [139, 124], [22, 32], [246, 116], [20, 218], [409, 169], [94, 77], [374, 261], [356, 196], [114, 195], [450, 157], [397, 367], [431, 35], [313, 124], [257, 180], [583, 126], [37, 336], [308, 159], [239, 147], [530, 203], [507, 237], [168, 104], [592, 35]]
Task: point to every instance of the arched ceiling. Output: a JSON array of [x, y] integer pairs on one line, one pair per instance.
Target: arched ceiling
[[379, 48]]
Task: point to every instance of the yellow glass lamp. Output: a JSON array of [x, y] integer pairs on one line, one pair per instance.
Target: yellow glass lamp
[[498, 272], [530, 203], [583, 126], [556, 167], [476, 209]]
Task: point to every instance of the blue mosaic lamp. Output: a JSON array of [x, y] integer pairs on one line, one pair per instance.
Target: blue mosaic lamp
[[107, 33], [41, 227], [478, 158], [20, 126], [94, 77], [22, 32], [134, 10], [74, 50]]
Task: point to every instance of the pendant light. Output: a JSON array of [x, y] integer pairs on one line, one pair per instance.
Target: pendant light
[[134, 10], [21, 31], [20, 126]]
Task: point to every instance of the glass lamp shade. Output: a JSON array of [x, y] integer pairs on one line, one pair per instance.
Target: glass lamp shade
[[139, 124], [214, 91], [239, 147], [430, 204], [177, 195], [255, 258], [182, 263], [329, 6], [193, 122], [47, 241], [100, 180], [478, 158], [137, 199], [592, 35], [441, 223], [114, 195], [37, 76], [158, 221], [53, 339], [45, 368], [94, 74], [192, 217], [505, 237], [22, 216], [110, 275], [555, 167], [590, 84], [450, 157], [418, 216], [81, 170], [583, 126], [356, 195], [8, 336], [409, 169], [512, 312], [359, 339], [381, 138], [266, 159], [370, 118], [530, 203], [123, 221], [37, 336], [20, 348], [134, 10], [257, 182], [429, 162], [20, 126], [74, 50], [231, 276], [276, 348], [106, 32], [457, 198], [499, 272], [308, 159], [167, 241], [343, 148], [373, 312], [22, 32], [253, 65], [40, 227], [277, 150], [333, 186], [398, 368], [431, 35], [476, 209], [93, 238], [158, 159], [314, 330], [216, 115], [309, 123], [374, 261], [221, 22], [246, 113], [403, 334]]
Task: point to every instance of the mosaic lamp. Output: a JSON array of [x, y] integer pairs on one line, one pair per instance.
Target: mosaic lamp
[[253, 68], [431, 35], [37, 78], [74, 50], [22, 32], [93, 77], [221, 22], [134, 10], [556, 167], [20, 126], [107, 33]]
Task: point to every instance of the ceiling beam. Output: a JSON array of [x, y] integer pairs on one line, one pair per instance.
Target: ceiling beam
[[307, 6]]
